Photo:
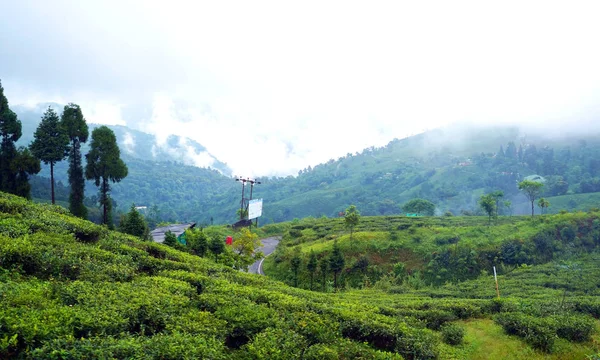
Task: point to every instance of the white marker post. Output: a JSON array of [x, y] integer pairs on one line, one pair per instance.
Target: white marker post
[[496, 279]]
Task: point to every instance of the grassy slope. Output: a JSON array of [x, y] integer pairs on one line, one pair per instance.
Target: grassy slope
[[389, 239], [71, 289]]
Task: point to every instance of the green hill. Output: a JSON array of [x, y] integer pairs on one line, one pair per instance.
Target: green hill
[[450, 167], [71, 289]]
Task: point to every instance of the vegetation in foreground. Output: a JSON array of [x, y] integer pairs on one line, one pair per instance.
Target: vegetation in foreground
[[73, 289]]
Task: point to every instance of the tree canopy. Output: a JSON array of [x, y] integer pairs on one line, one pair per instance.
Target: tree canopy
[[15, 164], [51, 143], [351, 218], [488, 204], [133, 223], [419, 206], [104, 164], [532, 190], [76, 128], [336, 262]]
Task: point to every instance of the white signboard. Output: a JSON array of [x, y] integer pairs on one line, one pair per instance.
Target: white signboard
[[254, 208]]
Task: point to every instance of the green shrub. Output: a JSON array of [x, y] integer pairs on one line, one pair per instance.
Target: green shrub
[[578, 328], [538, 332], [276, 344], [452, 334]]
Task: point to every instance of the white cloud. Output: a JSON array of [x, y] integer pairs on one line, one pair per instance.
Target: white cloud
[[272, 87], [128, 143]]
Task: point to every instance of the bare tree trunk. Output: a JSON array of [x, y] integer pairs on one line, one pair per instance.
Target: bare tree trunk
[[52, 180], [532, 207]]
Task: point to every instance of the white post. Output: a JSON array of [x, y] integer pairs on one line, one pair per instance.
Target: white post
[[496, 280]]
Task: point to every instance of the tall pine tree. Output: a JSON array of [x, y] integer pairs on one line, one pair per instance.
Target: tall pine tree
[[73, 122], [15, 164], [104, 164], [51, 143], [336, 262]]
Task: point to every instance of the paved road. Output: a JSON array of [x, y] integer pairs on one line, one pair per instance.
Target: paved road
[[269, 245]]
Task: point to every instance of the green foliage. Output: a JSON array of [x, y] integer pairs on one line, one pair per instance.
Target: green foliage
[[419, 206], [197, 241], [453, 334], [73, 122], [119, 297], [10, 132], [531, 189], [573, 327], [488, 204], [104, 164], [51, 143], [16, 165], [543, 204], [216, 246], [336, 262], [351, 218], [537, 332], [245, 248], [133, 223], [311, 266], [170, 239]]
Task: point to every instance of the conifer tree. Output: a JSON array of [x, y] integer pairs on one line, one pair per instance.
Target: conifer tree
[[295, 263], [336, 262], [104, 164], [15, 164], [324, 267], [74, 124], [311, 266], [51, 143], [133, 223], [216, 246], [10, 131], [170, 239]]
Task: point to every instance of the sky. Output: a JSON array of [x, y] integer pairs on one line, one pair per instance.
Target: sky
[[274, 87]]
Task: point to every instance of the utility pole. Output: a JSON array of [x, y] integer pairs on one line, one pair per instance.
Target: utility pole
[[243, 181], [252, 182]]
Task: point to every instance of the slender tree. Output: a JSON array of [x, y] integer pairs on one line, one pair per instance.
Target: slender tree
[[323, 268], [51, 143], [336, 262], [508, 206], [104, 164], [488, 204], [531, 189], [74, 124], [497, 195], [311, 266], [352, 218], [543, 204], [295, 263]]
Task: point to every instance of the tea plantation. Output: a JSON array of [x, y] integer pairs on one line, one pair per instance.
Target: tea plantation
[[70, 289]]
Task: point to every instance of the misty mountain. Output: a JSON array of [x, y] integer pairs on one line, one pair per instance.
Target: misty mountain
[[133, 143], [451, 167]]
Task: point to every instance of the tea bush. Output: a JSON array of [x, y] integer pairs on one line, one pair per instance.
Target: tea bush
[[452, 334]]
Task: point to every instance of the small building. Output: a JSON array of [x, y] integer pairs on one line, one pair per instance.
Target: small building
[[158, 234]]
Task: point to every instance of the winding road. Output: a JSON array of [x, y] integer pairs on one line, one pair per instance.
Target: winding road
[[269, 245]]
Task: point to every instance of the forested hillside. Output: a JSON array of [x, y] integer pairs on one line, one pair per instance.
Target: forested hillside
[[450, 167]]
